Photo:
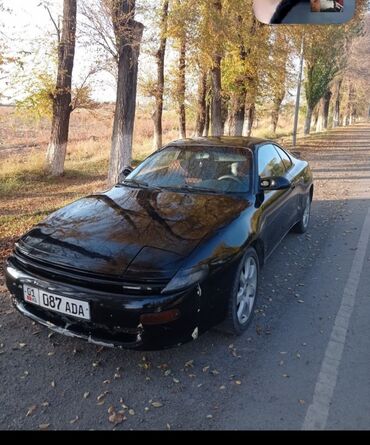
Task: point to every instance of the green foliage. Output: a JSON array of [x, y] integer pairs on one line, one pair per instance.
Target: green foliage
[[39, 101]]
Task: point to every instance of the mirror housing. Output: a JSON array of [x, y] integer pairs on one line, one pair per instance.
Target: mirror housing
[[278, 183], [124, 173]]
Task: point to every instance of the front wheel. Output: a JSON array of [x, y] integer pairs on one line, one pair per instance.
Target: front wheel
[[242, 300], [303, 223]]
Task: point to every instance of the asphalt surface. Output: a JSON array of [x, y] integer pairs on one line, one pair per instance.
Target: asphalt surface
[[303, 364]]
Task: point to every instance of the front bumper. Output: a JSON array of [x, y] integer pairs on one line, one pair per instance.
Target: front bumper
[[115, 318]]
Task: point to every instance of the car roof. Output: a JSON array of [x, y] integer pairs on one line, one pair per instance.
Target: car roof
[[222, 141]]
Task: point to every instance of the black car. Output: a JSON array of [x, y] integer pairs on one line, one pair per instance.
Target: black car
[[173, 249]]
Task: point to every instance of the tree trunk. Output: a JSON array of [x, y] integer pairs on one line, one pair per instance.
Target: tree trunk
[[322, 122], [275, 112], [62, 100], [349, 112], [202, 105], [216, 102], [237, 114], [160, 59], [307, 124], [207, 123], [336, 117], [128, 35], [250, 115], [181, 94]]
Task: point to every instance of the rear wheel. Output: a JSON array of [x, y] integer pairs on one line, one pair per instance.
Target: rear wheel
[[242, 300], [302, 225]]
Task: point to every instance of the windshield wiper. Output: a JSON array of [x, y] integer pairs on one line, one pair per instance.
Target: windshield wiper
[[135, 183], [190, 188], [140, 184]]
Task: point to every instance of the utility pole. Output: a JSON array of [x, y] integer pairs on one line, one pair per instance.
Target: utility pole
[[298, 98]]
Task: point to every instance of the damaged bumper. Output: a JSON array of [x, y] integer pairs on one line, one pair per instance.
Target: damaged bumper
[[117, 320]]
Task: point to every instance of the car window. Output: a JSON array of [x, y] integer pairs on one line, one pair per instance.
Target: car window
[[286, 159], [270, 164], [219, 169]]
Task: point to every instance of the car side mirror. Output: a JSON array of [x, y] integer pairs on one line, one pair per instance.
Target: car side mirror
[[278, 183], [124, 173]]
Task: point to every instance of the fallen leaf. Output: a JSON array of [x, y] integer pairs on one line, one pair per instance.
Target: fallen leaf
[[74, 420], [116, 418], [238, 382], [157, 404], [209, 416], [189, 364], [45, 404], [168, 426], [86, 395], [131, 412], [101, 397], [31, 410], [22, 345], [52, 384], [44, 426]]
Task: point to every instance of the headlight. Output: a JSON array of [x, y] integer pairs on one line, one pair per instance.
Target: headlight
[[186, 278]]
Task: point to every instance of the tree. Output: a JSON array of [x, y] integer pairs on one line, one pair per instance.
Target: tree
[[159, 86], [181, 21], [216, 79], [201, 115], [278, 74], [128, 34], [323, 50], [62, 98]]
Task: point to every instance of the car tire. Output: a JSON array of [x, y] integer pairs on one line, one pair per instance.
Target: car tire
[[244, 292], [303, 224]]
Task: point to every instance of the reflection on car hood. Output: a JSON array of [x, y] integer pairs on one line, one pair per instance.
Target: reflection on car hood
[[104, 233]]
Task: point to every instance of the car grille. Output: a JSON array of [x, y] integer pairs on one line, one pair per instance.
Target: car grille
[[87, 280]]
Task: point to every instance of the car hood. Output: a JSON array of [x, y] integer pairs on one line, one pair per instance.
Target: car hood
[[105, 233]]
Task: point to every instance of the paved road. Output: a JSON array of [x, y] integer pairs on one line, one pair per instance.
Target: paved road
[[304, 363]]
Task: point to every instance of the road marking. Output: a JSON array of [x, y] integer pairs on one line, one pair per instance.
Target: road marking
[[318, 412]]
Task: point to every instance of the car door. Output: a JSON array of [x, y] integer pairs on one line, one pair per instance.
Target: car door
[[274, 218], [292, 204]]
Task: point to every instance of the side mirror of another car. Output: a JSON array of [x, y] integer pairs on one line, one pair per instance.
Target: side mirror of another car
[[124, 173], [278, 183]]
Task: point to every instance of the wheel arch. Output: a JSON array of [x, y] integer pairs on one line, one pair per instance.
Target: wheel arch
[[259, 247]]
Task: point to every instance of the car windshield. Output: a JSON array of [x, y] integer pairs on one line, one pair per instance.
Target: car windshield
[[211, 169]]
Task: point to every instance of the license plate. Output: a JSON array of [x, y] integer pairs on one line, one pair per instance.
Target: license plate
[[57, 303]]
